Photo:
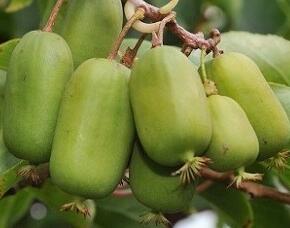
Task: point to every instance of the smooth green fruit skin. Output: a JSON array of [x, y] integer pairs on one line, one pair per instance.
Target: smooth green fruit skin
[[238, 77], [95, 130], [90, 27], [155, 187], [39, 69], [170, 107], [234, 143]]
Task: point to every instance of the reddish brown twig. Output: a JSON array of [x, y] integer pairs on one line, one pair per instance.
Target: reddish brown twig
[[53, 16], [194, 41], [255, 190]]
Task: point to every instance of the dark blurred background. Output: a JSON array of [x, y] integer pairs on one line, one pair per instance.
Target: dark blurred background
[[260, 16]]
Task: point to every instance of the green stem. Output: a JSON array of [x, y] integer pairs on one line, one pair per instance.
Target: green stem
[[202, 65]]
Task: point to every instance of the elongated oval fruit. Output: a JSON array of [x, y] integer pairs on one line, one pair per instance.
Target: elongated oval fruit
[[234, 143], [238, 77], [154, 186], [90, 27], [95, 130], [170, 107], [39, 69]]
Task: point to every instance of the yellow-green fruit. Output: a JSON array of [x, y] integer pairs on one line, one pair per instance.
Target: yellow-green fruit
[[238, 77], [90, 27], [154, 186], [170, 107], [39, 69], [95, 130], [234, 142]]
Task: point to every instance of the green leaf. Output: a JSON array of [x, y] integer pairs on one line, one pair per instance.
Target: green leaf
[[6, 51], [232, 205], [14, 207], [120, 212], [270, 52], [283, 94], [53, 197], [9, 177], [16, 5], [9, 166], [268, 213], [260, 16]]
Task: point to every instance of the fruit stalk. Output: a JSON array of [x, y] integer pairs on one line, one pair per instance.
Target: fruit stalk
[[139, 14], [129, 56], [194, 41], [255, 190], [165, 20], [53, 16]]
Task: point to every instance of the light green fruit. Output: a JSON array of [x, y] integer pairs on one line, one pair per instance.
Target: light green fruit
[[234, 143], [155, 187], [238, 77], [39, 69], [95, 130], [170, 107], [90, 27]]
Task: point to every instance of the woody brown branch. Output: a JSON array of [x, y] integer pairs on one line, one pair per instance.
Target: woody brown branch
[[255, 190], [53, 15], [191, 40]]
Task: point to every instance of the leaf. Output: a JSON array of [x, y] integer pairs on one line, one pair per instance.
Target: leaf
[[14, 207], [270, 52], [260, 16], [16, 5], [283, 94], [54, 198], [9, 166], [268, 213], [17, 206], [6, 51], [120, 212], [232, 205]]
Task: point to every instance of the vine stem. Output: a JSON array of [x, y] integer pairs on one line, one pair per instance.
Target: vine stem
[[194, 41], [255, 190], [53, 16], [160, 37], [139, 14]]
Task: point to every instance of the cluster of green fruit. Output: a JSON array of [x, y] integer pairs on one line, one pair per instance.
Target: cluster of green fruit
[[83, 122]]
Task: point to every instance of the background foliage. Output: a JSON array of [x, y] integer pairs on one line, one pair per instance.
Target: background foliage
[[39, 207]]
